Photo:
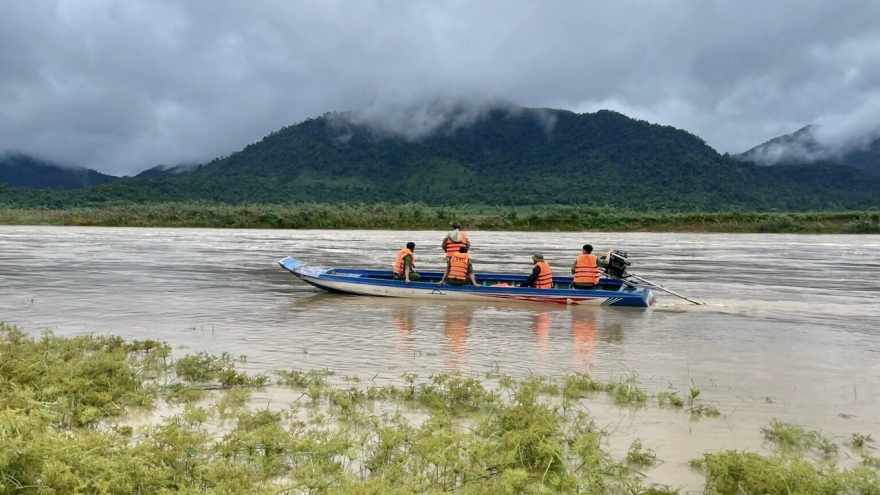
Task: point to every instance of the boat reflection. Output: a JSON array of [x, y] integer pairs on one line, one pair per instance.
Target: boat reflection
[[463, 334], [456, 330], [583, 332], [541, 322], [403, 321]]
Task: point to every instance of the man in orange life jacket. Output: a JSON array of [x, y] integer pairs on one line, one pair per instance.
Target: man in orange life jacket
[[458, 269], [541, 276], [454, 240], [404, 265], [586, 269]]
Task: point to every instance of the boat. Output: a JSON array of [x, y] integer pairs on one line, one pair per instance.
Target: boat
[[492, 287]]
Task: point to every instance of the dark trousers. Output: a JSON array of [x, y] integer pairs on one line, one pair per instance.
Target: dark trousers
[[583, 286]]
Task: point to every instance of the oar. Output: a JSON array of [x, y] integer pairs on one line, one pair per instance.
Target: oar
[[664, 289]]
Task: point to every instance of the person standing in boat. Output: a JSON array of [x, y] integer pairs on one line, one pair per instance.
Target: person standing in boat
[[586, 269], [458, 269], [405, 264], [454, 240], [541, 276]]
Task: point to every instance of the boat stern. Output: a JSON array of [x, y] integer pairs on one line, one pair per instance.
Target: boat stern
[[650, 300]]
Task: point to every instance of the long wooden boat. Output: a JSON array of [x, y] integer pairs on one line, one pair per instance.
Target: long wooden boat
[[492, 286]]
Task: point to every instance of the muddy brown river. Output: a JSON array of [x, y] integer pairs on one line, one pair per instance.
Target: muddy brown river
[[789, 329]]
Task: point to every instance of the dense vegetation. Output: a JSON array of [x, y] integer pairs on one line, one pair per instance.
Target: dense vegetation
[[65, 428], [419, 216], [509, 157], [19, 170]]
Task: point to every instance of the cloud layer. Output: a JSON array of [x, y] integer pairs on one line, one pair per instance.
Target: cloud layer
[[123, 85]]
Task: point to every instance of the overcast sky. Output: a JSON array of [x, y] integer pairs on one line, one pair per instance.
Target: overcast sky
[[123, 85]]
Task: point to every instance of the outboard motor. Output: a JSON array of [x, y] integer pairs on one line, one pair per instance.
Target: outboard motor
[[617, 263]]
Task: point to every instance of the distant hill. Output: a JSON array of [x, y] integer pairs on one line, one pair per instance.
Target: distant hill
[[803, 147], [18, 170], [501, 156], [162, 171]]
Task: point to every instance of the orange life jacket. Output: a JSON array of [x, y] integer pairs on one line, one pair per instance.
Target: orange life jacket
[[452, 247], [400, 265], [458, 266], [586, 270], [545, 278]]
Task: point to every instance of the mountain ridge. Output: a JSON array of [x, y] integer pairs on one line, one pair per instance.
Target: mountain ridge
[[804, 147], [503, 156], [20, 170]]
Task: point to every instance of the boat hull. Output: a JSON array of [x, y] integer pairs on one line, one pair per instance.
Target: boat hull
[[379, 283]]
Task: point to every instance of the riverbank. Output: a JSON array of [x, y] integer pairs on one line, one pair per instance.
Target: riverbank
[[422, 217], [192, 423]]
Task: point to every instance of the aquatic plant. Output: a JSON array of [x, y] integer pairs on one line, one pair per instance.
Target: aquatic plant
[[790, 436], [639, 455], [859, 440], [441, 433], [670, 398], [77, 381], [733, 472], [703, 410]]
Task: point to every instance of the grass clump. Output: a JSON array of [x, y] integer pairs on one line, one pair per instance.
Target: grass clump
[[703, 410], [203, 368], [639, 455], [669, 398], [860, 440], [579, 385], [733, 472], [791, 437]]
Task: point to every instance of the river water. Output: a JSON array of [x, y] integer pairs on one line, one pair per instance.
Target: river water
[[789, 329]]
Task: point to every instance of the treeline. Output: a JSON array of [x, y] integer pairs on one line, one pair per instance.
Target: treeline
[[417, 216]]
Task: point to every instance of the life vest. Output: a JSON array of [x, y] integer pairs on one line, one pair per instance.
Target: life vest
[[545, 278], [586, 270], [458, 266], [452, 247], [400, 265]]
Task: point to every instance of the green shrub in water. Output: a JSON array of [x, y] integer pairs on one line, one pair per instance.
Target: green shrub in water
[[731, 472]]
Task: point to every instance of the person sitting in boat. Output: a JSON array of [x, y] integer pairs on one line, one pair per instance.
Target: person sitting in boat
[[458, 269], [404, 265], [454, 240], [541, 276], [586, 269]]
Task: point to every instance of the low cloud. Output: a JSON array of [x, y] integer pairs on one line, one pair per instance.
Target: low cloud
[[415, 121], [420, 120], [123, 85]]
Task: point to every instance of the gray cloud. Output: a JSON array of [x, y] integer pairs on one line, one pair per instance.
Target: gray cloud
[[122, 85]]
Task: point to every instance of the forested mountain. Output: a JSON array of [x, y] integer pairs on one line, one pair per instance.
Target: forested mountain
[[803, 147], [18, 170], [506, 156]]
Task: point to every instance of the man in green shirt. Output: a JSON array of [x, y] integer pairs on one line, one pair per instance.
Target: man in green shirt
[[404, 265]]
